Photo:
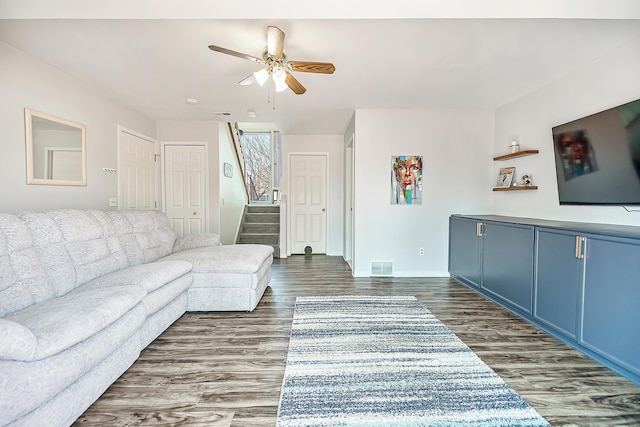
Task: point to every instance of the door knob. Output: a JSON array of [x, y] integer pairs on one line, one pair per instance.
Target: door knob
[[323, 209], [195, 213]]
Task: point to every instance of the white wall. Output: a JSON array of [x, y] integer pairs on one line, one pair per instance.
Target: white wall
[[605, 82], [349, 141], [206, 132], [233, 195], [26, 82], [333, 145], [456, 150]]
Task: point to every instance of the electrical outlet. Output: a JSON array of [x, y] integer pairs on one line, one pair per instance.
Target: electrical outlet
[[113, 202], [421, 251]]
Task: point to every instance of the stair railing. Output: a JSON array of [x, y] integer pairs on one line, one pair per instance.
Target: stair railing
[[237, 146]]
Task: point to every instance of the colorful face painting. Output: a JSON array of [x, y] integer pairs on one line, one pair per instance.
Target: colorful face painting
[[406, 180]]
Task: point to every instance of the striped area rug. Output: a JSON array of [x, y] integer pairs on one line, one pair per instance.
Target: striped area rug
[[387, 361]]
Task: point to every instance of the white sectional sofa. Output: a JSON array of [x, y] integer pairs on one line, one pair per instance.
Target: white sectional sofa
[[82, 292]]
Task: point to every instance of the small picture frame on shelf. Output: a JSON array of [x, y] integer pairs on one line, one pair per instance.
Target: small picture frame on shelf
[[505, 177]]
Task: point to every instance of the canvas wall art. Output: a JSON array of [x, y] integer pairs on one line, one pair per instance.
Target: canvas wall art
[[406, 180]]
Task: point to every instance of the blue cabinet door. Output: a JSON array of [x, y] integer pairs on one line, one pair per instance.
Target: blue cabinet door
[[558, 280], [507, 263], [611, 307], [464, 250]]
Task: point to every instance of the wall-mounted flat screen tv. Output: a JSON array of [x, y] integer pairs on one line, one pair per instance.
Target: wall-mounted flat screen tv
[[598, 158]]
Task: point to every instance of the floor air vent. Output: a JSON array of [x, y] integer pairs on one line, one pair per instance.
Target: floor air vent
[[382, 268]]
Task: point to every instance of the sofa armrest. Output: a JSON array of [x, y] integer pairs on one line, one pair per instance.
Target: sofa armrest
[[192, 241]]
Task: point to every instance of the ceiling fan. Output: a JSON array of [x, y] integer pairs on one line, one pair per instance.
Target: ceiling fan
[[277, 65]]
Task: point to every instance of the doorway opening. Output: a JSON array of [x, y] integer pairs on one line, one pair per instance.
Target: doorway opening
[[261, 152]]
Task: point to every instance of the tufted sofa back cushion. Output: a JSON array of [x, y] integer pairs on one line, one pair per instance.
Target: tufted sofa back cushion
[[146, 235], [23, 280], [75, 246]]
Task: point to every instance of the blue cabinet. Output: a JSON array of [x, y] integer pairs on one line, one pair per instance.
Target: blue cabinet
[[507, 263], [588, 288], [494, 256], [558, 280], [611, 307], [464, 250], [579, 282]]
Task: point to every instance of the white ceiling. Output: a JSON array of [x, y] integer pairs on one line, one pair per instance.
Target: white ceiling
[[440, 54]]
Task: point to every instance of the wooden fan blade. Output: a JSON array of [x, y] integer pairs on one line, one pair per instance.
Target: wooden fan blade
[[294, 85], [236, 54], [312, 67], [275, 42]]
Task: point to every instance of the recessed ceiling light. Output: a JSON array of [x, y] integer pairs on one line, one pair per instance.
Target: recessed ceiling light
[[191, 101], [251, 114]]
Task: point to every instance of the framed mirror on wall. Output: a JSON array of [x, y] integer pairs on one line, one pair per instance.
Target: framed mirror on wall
[[56, 150]]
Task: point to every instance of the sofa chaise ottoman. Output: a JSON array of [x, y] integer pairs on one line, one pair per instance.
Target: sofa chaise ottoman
[[82, 292], [225, 277]]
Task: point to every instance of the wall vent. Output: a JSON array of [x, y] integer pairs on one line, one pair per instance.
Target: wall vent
[[382, 268]]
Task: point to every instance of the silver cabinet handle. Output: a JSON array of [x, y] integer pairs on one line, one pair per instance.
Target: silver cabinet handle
[[579, 246]]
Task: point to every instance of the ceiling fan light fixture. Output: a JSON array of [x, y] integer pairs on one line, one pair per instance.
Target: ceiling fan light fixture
[[279, 74], [281, 85], [261, 76], [279, 77]]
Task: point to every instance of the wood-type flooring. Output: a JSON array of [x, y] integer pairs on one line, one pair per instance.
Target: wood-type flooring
[[226, 369]]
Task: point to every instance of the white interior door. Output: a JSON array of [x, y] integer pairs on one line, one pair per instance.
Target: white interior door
[[308, 179], [137, 166], [184, 176]]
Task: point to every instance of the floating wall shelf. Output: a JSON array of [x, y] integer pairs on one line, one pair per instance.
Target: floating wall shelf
[[516, 154], [518, 188], [521, 153]]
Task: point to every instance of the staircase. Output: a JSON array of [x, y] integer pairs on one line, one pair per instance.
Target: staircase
[[261, 225]]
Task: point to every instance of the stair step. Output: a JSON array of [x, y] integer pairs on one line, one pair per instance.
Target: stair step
[[259, 238], [263, 209], [273, 218], [261, 227]]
